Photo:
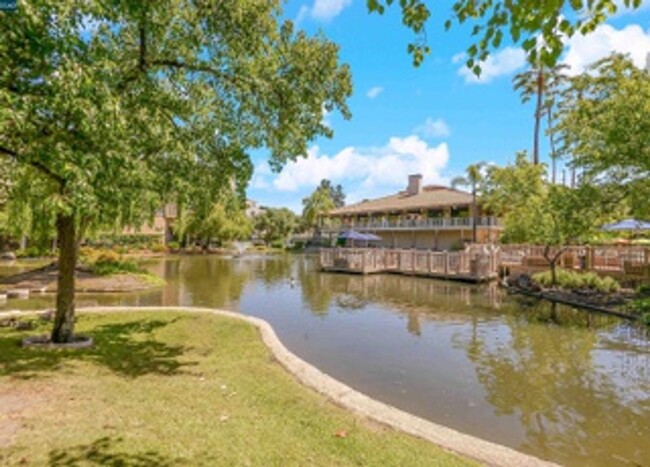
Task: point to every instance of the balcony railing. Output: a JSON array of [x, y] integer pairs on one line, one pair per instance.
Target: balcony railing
[[419, 224]]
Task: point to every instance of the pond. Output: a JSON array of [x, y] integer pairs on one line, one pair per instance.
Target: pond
[[559, 383]]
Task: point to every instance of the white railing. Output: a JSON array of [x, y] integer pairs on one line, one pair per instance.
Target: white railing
[[419, 224]]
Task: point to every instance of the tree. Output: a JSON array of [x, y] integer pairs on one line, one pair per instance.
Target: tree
[[544, 83], [222, 223], [523, 22], [541, 213], [109, 107], [335, 192], [473, 179], [604, 126], [276, 225], [317, 204]]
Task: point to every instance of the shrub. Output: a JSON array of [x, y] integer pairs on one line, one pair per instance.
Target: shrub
[[173, 246], [575, 280], [107, 267], [34, 252], [158, 248]]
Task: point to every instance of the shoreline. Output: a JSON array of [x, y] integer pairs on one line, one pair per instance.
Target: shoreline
[[486, 452]]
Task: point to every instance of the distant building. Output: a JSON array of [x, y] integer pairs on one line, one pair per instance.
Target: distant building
[[433, 217], [253, 209], [162, 224]]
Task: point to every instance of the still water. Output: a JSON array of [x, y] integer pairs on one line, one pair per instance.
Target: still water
[[555, 382]]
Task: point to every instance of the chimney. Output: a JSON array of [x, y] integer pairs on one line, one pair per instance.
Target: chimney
[[415, 184], [647, 62]]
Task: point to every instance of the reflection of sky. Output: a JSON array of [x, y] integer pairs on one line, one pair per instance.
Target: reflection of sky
[[624, 354]]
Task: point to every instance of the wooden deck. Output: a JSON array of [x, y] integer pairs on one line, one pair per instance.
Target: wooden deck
[[472, 266]]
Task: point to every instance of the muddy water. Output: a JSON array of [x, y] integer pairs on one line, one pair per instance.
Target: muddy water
[[562, 384]]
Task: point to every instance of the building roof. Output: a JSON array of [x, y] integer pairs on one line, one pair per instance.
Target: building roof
[[430, 197]]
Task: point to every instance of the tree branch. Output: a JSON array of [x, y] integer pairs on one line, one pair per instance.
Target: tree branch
[[35, 164]]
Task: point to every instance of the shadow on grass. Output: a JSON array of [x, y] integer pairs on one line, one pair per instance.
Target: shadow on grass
[[103, 452], [128, 349]]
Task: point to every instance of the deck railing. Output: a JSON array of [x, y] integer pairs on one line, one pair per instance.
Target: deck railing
[[470, 264], [418, 224], [481, 261]]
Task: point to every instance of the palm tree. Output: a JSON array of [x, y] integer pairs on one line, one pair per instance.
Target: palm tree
[[473, 178], [544, 83]]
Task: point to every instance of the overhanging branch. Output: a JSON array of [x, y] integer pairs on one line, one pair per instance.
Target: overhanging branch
[[35, 164]]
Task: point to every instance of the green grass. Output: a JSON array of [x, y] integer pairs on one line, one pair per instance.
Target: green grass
[[181, 389]]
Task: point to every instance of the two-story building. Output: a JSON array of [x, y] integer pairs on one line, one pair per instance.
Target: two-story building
[[431, 217]]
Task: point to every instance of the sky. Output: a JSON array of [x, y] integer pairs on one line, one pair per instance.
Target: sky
[[435, 119]]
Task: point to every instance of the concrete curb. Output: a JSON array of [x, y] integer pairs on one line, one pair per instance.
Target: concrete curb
[[475, 448]]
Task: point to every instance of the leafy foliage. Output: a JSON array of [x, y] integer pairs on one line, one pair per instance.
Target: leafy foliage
[[540, 27], [574, 280], [275, 225], [604, 128], [111, 108], [320, 202]]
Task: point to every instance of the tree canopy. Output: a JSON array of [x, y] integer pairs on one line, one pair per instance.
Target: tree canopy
[[603, 124], [539, 26], [109, 108]]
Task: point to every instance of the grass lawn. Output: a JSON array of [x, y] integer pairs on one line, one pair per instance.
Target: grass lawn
[[171, 388]]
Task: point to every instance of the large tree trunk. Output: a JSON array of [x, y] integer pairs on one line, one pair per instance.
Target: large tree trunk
[[64, 318], [538, 115]]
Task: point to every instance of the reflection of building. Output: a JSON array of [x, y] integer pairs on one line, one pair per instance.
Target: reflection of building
[[431, 216]]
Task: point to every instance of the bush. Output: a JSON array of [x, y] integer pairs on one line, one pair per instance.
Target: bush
[[34, 252], [107, 267], [575, 280], [641, 306], [158, 248], [173, 246]]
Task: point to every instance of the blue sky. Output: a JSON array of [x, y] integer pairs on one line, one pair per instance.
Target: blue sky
[[435, 119]]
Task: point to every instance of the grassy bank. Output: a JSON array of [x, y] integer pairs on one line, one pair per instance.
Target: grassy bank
[[178, 389]]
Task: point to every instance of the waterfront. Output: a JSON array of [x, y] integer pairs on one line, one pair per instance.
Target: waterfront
[[562, 384]]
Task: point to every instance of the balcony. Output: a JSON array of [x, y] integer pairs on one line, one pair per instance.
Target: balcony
[[452, 223]]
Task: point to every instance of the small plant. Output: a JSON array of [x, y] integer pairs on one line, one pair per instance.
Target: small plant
[[107, 267], [158, 248], [574, 280], [34, 252], [174, 246]]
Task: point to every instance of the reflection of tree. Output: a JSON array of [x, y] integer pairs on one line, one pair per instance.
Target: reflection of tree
[[316, 289], [211, 281], [567, 406], [275, 269]]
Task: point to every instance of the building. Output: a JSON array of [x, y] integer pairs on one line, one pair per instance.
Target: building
[[432, 217], [253, 209]]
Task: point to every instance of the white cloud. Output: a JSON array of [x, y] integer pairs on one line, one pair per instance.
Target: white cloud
[[503, 62], [374, 92], [584, 50], [365, 172], [325, 10], [433, 128], [459, 57], [302, 14]]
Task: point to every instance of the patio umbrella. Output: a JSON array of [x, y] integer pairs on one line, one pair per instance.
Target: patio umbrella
[[626, 224], [352, 235], [372, 237]]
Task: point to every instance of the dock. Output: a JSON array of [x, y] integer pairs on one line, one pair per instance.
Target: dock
[[467, 266]]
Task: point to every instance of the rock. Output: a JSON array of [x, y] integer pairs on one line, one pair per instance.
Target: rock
[[8, 256]]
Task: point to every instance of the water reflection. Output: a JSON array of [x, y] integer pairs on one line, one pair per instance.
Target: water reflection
[[562, 384]]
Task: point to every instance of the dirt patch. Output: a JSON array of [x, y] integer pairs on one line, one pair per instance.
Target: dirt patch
[[15, 407], [44, 280]]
